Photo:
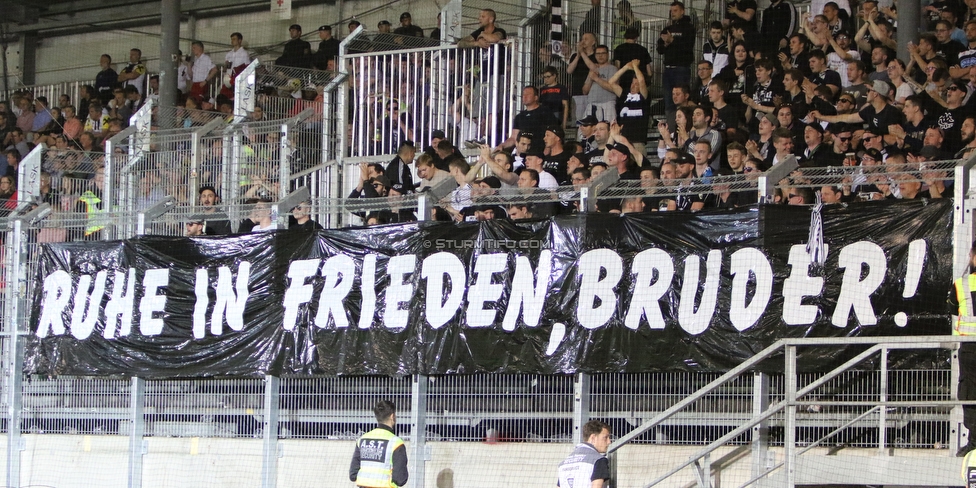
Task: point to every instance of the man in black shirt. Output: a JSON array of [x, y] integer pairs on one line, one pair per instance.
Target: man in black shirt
[[534, 119], [407, 28], [780, 21], [677, 44], [879, 114], [328, 47], [629, 50], [741, 10], [297, 50]]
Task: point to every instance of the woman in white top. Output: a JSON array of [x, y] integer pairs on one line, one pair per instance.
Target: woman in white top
[[903, 89]]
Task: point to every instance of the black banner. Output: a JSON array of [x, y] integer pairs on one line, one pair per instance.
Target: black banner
[[587, 293]]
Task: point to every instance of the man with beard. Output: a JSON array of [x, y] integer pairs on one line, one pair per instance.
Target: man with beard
[[968, 133], [686, 200], [215, 222]]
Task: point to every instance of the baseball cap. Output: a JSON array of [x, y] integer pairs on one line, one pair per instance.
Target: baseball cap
[[383, 180], [493, 182], [619, 148], [772, 120], [587, 121], [196, 219], [405, 15], [384, 22], [882, 88], [326, 27], [296, 27], [558, 131], [871, 153], [685, 158], [437, 134], [817, 127]]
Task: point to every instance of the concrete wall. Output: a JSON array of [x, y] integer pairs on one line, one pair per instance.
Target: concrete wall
[[75, 57], [69, 461]]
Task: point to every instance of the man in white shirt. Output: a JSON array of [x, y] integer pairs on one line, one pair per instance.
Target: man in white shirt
[[202, 72], [237, 56], [533, 161]]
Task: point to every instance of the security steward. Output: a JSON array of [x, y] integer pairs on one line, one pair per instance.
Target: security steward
[[587, 466], [964, 324], [380, 458]]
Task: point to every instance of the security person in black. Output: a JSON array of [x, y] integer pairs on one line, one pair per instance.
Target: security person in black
[[297, 50], [961, 303], [380, 458], [677, 44]]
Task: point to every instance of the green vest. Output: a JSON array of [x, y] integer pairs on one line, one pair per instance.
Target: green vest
[[376, 458], [96, 214]]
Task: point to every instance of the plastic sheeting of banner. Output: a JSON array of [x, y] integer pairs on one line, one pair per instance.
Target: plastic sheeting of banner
[[586, 293]]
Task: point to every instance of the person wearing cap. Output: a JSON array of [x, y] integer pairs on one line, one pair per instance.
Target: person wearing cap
[[328, 47], [779, 22], [407, 28], [879, 114], [586, 128], [685, 200], [301, 218], [194, 226], [677, 45], [815, 151], [841, 54], [296, 50], [956, 111], [533, 119], [217, 222], [534, 161], [555, 156], [384, 40]]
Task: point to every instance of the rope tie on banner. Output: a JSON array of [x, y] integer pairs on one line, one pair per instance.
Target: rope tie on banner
[[815, 240]]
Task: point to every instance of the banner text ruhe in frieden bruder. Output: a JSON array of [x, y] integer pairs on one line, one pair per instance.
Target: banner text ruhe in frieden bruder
[[593, 293]]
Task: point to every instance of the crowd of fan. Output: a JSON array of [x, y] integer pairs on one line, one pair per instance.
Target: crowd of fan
[[829, 92]]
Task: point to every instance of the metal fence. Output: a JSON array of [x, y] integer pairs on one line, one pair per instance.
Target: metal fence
[[407, 94]]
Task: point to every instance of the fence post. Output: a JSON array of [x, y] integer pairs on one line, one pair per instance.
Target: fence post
[[15, 310], [581, 405], [13, 357], [137, 443], [269, 451], [418, 430], [789, 434], [760, 432]]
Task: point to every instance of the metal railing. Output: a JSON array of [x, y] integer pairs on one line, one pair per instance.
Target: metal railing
[[819, 393]]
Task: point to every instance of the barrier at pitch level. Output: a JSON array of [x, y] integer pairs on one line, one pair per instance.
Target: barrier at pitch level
[[569, 294]]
